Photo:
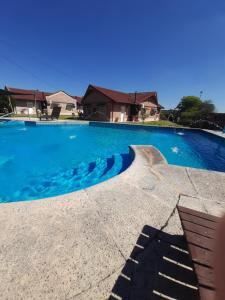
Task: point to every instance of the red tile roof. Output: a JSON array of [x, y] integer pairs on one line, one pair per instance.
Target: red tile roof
[[122, 97], [78, 98], [30, 95], [116, 96]]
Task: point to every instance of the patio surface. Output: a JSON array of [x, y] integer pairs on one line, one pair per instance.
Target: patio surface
[[75, 246]]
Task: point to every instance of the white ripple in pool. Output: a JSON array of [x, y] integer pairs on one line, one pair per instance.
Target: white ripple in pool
[[175, 149], [22, 129], [180, 133]]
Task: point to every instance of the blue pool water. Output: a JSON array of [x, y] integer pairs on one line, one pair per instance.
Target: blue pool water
[[47, 160]]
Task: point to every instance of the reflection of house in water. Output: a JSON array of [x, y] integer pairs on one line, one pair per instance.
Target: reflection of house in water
[[30, 100], [110, 105]]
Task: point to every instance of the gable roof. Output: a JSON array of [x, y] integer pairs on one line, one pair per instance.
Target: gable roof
[[121, 97], [4, 92], [116, 96], [78, 98], [143, 96], [30, 95]]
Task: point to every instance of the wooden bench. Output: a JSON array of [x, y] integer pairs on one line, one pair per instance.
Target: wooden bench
[[199, 230]]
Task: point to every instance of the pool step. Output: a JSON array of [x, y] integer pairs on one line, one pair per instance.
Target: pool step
[[97, 171], [82, 176], [85, 175], [100, 170], [115, 168]]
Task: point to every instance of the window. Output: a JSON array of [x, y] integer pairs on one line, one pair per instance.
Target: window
[[30, 104], [55, 104], [70, 106], [101, 108], [153, 111]]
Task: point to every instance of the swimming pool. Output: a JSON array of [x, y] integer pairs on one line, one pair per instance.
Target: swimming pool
[[48, 160]]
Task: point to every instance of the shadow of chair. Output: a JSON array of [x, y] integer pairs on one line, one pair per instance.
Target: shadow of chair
[[158, 268]]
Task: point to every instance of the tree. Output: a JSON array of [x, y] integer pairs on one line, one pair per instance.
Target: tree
[[207, 107], [189, 103], [4, 104], [143, 114], [192, 108]]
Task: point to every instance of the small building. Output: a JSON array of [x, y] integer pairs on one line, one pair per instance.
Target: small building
[[69, 104], [28, 101], [103, 104]]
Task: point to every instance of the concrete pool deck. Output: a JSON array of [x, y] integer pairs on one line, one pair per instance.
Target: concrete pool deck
[[75, 246]]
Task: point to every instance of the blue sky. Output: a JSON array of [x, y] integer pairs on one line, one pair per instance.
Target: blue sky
[[175, 47]]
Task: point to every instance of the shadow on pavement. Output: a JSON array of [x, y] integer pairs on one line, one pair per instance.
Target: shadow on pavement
[[158, 268]]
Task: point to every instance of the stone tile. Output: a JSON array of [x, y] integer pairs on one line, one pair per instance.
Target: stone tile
[[177, 177], [125, 219], [210, 185], [65, 254], [205, 205], [192, 203], [100, 291], [174, 226]]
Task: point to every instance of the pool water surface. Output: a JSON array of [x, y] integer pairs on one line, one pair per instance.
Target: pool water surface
[[48, 160]]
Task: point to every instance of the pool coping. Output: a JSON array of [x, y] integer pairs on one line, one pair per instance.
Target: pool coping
[[84, 122]]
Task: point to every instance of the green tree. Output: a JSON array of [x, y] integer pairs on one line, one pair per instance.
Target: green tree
[[207, 107], [143, 114], [192, 108], [189, 103], [4, 104]]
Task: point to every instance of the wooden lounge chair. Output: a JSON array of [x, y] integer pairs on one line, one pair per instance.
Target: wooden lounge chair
[[199, 231], [54, 115]]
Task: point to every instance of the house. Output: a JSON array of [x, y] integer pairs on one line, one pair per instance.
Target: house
[[28, 101], [109, 105], [69, 104]]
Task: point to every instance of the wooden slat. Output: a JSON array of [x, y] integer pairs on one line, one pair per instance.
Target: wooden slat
[[207, 232], [197, 220], [199, 230], [201, 256], [198, 214], [207, 294], [178, 272], [173, 289], [205, 276], [180, 257], [199, 240]]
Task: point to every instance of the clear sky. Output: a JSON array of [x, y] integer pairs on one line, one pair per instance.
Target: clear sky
[[175, 47]]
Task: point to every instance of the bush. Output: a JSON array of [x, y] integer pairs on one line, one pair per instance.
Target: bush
[[192, 108]]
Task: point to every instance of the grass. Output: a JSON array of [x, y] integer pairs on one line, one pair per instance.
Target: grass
[[67, 117], [61, 117], [23, 116], [160, 123], [151, 123]]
